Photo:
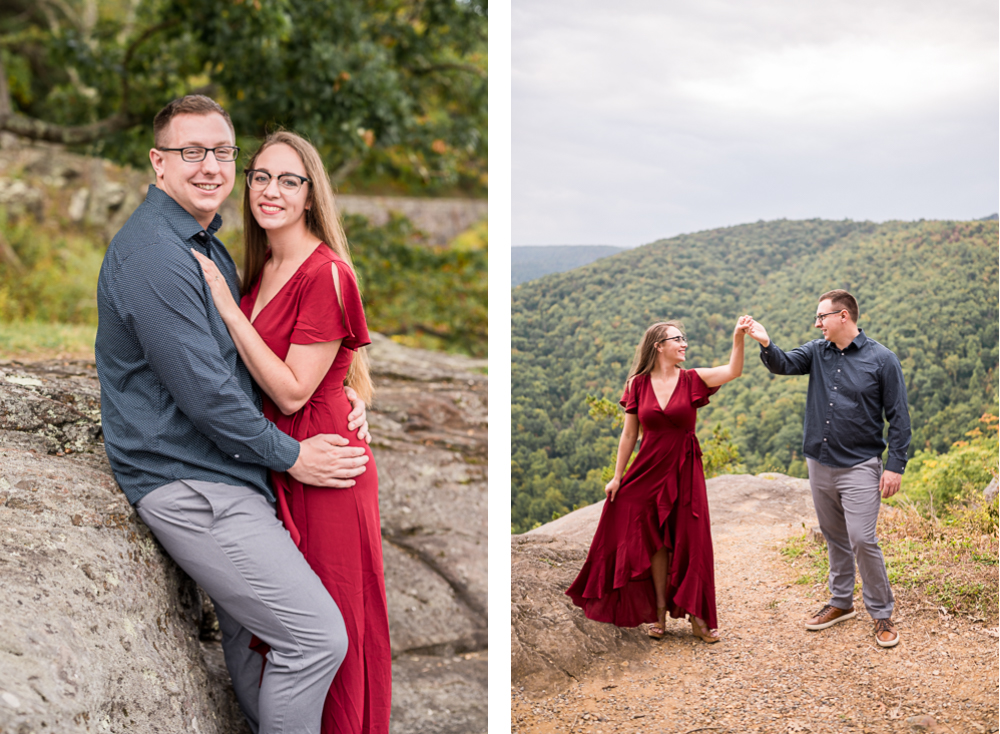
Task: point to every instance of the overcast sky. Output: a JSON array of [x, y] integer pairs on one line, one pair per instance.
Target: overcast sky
[[634, 121]]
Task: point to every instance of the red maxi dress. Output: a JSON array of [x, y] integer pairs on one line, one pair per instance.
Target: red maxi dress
[[338, 530], [661, 503]]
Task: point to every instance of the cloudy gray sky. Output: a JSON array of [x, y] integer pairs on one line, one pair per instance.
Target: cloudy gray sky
[[634, 120]]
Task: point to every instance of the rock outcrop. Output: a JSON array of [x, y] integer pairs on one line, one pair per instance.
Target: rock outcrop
[[100, 631], [43, 179], [552, 643]]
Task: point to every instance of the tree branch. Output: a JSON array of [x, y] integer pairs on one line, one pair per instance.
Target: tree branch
[[130, 52], [35, 129], [345, 169], [144, 36], [7, 254], [5, 107], [47, 6], [448, 66]]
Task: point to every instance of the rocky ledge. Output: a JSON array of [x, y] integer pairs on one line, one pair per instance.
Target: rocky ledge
[[552, 643], [101, 632]]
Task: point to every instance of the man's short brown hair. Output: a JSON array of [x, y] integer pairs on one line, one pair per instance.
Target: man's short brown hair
[[843, 300], [192, 104]]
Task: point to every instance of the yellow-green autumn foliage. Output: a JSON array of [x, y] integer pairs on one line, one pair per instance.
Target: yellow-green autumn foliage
[[936, 483], [421, 296], [47, 277]]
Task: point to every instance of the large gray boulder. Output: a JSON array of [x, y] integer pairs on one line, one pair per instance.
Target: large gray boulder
[[101, 632]]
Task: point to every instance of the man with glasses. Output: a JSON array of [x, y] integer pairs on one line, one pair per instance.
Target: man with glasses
[[186, 438], [853, 380]]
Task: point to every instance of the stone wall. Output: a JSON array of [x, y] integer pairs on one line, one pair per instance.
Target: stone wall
[[440, 219]]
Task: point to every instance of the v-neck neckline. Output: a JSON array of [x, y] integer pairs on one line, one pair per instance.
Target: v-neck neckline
[[260, 280], [663, 408]]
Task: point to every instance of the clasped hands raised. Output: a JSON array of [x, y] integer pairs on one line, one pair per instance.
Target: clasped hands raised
[[747, 325]]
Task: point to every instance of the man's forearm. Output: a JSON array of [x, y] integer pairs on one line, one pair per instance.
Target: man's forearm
[[780, 363]]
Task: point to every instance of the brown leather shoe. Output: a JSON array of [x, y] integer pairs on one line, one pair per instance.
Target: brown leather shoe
[[886, 634], [829, 616]]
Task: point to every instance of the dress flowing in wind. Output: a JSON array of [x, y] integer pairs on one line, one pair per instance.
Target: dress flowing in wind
[[661, 503]]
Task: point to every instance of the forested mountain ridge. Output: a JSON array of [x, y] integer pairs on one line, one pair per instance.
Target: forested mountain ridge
[[927, 290]]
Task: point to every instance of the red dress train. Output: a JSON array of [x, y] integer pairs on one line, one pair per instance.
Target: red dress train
[[338, 530], [661, 503]]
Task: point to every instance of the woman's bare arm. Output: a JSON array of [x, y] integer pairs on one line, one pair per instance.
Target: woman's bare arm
[[626, 445], [289, 383], [715, 376]]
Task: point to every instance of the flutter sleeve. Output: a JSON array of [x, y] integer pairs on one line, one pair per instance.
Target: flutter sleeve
[[700, 392], [629, 400], [320, 317]]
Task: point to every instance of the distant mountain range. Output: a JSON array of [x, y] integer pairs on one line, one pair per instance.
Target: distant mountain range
[[530, 262]]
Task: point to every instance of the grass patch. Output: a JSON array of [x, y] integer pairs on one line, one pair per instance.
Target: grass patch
[[808, 557], [32, 340], [948, 563]]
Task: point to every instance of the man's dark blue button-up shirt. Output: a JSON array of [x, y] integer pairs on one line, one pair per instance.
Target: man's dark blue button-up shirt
[[848, 392], [176, 400]]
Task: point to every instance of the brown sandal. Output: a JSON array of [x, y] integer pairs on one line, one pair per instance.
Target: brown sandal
[[658, 630], [700, 630]]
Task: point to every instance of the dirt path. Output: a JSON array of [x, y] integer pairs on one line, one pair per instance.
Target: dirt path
[[769, 674]]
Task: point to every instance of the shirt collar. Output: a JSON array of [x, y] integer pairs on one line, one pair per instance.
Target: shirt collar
[[185, 225], [859, 341]]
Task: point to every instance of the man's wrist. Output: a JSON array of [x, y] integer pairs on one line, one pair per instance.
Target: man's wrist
[[286, 453]]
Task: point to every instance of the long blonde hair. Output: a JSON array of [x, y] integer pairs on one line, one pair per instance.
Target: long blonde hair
[[322, 220], [645, 352]]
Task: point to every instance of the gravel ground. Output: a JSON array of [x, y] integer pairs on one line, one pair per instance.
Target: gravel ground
[[768, 674]]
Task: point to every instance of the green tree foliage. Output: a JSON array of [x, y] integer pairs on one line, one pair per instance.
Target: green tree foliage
[[719, 454], [927, 291], [422, 296], [393, 90]]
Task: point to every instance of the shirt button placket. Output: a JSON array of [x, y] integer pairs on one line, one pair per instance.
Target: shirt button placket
[[826, 431]]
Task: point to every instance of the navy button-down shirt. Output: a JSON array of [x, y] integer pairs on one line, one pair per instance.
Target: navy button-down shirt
[[176, 400], [848, 392]]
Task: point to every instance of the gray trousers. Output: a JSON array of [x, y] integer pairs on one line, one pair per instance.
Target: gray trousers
[[228, 539], [847, 503]]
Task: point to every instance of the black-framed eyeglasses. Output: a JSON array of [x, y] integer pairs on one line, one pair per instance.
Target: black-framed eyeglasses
[[678, 339], [289, 183], [196, 154], [821, 316]]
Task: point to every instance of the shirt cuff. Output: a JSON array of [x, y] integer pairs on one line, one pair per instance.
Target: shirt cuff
[[895, 465], [286, 453]]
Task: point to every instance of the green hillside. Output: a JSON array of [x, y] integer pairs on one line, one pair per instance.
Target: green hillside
[[927, 290]]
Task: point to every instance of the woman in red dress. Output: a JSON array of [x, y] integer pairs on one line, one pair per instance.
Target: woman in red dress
[[300, 329], [652, 551]]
